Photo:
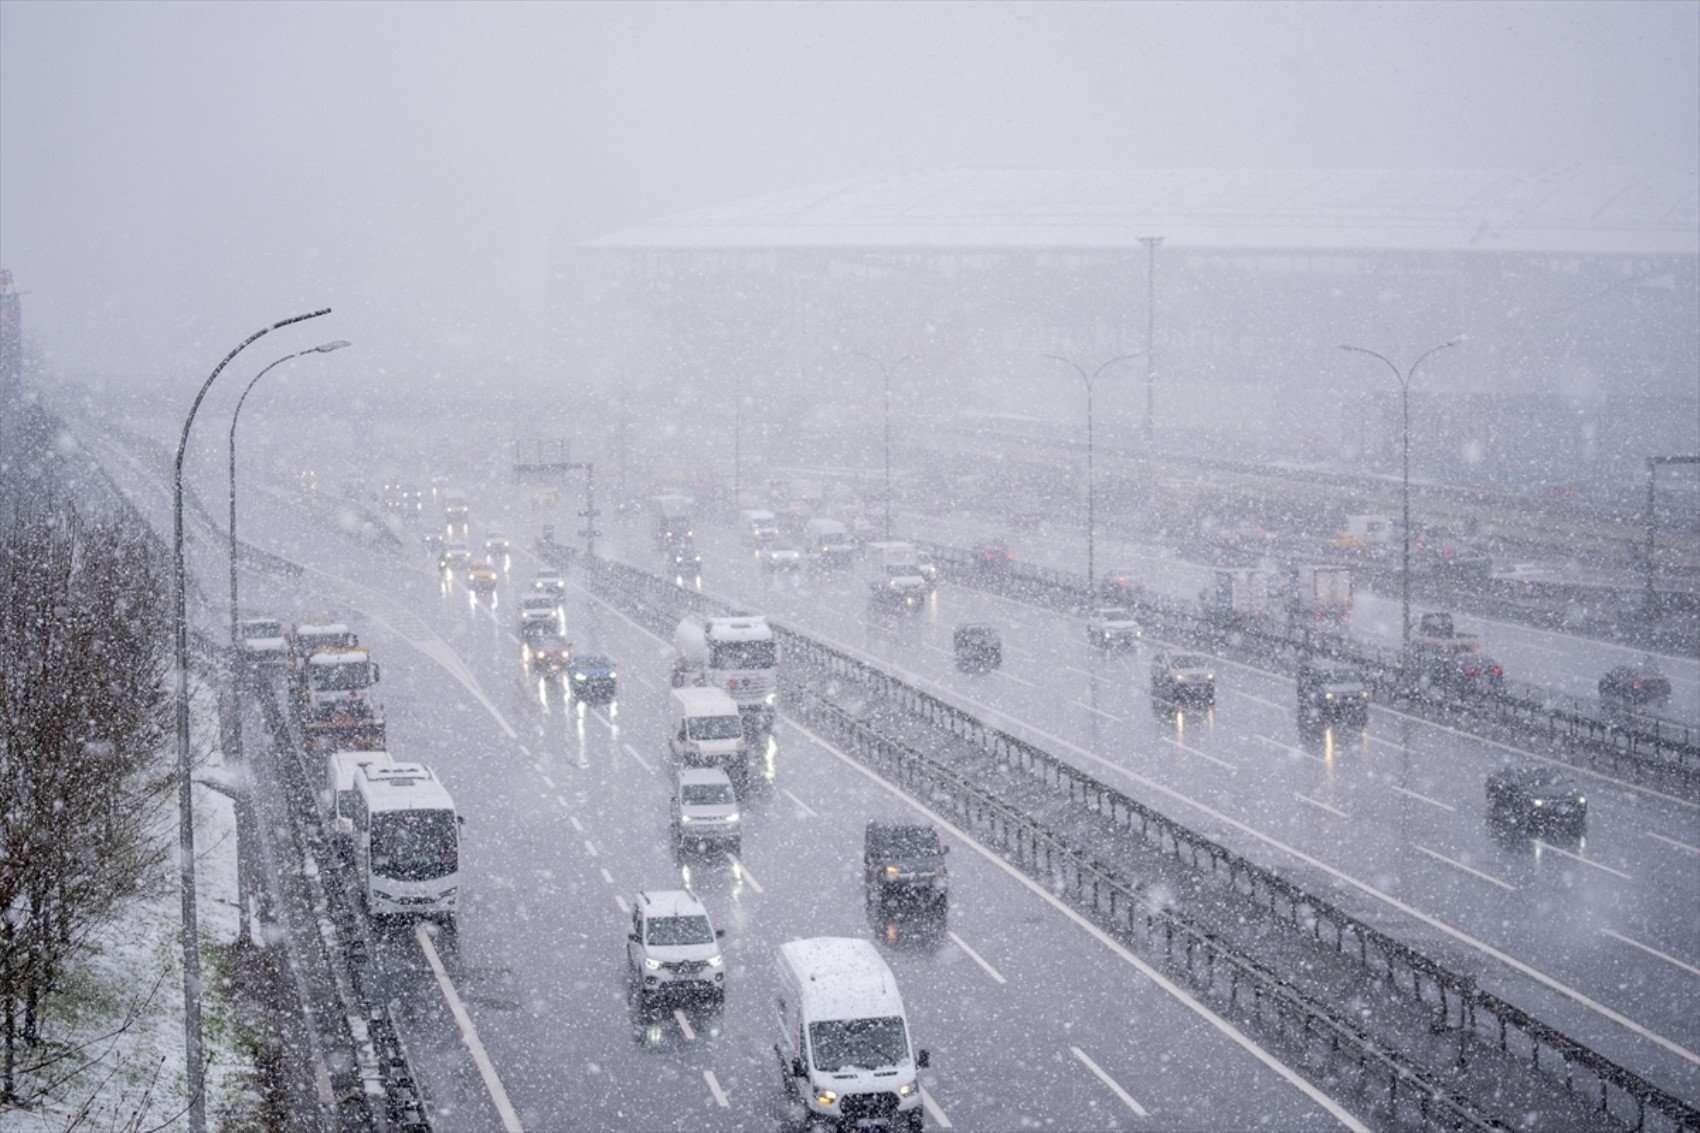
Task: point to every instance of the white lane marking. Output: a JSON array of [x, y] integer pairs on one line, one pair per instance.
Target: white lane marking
[[932, 1107], [1202, 755], [1258, 700], [322, 1084], [1275, 743], [1424, 798], [590, 848], [1488, 877], [1082, 672], [548, 782], [1674, 842], [714, 1088], [606, 876], [977, 958], [1178, 993], [1320, 805], [1098, 711], [684, 1025], [1013, 677], [744, 871], [469, 1034], [1548, 846], [642, 762], [807, 809], [565, 805], [1115, 1087], [1650, 950], [573, 818], [621, 901], [1388, 743], [525, 749]]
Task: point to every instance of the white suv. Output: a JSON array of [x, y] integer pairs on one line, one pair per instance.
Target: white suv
[[673, 948], [705, 810]]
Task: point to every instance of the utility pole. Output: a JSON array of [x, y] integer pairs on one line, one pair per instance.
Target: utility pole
[[1091, 506], [1150, 243]]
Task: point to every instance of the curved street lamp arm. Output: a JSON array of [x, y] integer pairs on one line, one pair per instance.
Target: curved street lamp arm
[[183, 441], [1433, 350], [1117, 358], [1397, 376], [1071, 362]]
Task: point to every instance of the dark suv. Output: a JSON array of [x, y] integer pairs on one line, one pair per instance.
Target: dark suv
[[1536, 798], [1635, 686], [903, 870], [1332, 690], [978, 648]]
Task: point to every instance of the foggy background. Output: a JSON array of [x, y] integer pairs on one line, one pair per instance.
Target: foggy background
[[174, 175]]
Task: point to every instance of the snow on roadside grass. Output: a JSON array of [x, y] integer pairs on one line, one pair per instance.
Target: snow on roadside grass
[[112, 1054]]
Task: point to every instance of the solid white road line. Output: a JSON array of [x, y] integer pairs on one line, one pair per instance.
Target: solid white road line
[[977, 958], [744, 871], [1673, 842], [684, 1025], [1115, 1087], [1548, 846], [714, 1088], [1320, 805], [932, 1108], [1178, 993], [1488, 877], [525, 749], [1098, 711], [1650, 950], [1425, 798], [1013, 677], [469, 1034], [807, 809], [1202, 755], [642, 762]]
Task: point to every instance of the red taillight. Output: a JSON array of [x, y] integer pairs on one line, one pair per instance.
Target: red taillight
[[1636, 683], [1498, 672]]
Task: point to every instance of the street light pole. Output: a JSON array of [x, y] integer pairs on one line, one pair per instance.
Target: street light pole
[[886, 372], [192, 1047], [1404, 380], [1091, 496], [1150, 243], [235, 754]]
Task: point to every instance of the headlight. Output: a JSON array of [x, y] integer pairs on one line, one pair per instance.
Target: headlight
[[1540, 802], [769, 699], [612, 674], [731, 818], [891, 869], [683, 818], [826, 1097], [716, 961], [1581, 800], [652, 963], [906, 1089], [579, 677], [1209, 676]]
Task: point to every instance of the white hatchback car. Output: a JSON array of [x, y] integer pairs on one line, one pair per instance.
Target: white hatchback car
[[673, 948], [540, 610], [705, 810]]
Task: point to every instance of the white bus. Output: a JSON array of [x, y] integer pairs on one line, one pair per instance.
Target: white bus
[[406, 841]]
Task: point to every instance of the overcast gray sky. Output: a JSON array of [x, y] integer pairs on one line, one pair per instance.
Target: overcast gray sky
[[174, 175]]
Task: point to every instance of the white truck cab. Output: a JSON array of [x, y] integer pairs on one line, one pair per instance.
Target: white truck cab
[[843, 1041], [707, 730], [827, 542]]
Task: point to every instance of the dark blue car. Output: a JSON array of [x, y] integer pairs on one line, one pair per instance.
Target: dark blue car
[[592, 678]]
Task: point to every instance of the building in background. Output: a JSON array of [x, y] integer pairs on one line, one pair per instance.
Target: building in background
[[1577, 288]]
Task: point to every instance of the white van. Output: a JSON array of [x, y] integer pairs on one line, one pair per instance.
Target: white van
[[759, 525], [340, 769], [707, 730], [406, 841], [843, 1041], [827, 542]]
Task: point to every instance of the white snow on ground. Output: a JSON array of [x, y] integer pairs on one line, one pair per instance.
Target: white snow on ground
[[131, 982]]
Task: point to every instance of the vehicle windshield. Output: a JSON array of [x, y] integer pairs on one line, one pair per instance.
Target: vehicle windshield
[[715, 728], [342, 677], [415, 845], [595, 661], [706, 794], [536, 605], [904, 570], [905, 841], [1339, 675], [680, 930], [264, 629], [867, 1043], [1115, 614], [1188, 661], [743, 655]]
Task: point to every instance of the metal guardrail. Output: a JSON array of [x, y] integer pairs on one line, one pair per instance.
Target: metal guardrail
[[1476, 1016], [1672, 759]]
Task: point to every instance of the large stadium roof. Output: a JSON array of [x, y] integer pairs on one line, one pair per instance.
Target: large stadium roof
[[1597, 210]]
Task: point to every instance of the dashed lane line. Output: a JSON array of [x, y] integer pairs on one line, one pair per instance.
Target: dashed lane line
[[932, 1108], [1320, 805], [1673, 842], [1651, 951], [548, 782], [1115, 1087], [744, 871], [1550, 848], [714, 1088], [1098, 711], [1424, 798], [469, 1034], [684, 1025], [978, 959], [573, 818], [606, 876], [1487, 877], [1289, 748], [807, 809], [621, 901], [590, 848], [642, 762], [1172, 742]]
